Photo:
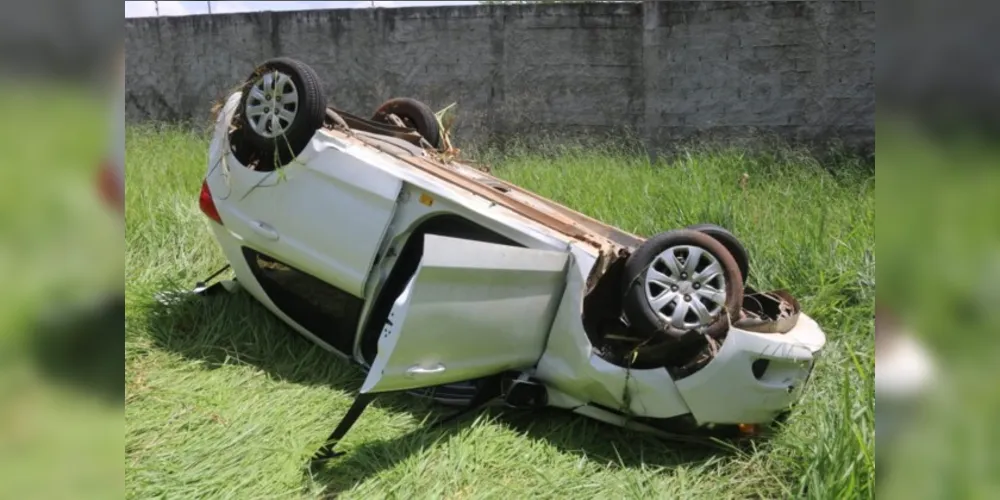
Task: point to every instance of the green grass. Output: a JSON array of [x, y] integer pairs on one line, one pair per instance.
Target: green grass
[[939, 234], [223, 400], [61, 416]]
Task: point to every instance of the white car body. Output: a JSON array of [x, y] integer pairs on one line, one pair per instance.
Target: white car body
[[343, 212]]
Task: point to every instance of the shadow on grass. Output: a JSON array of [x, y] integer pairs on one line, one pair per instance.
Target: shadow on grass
[[79, 349], [220, 329]]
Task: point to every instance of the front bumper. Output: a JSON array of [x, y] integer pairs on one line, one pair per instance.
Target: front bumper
[[755, 377]]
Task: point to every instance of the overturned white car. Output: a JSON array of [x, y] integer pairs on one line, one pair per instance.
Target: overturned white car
[[439, 278]]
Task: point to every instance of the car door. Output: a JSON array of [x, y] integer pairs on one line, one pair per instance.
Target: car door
[[325, 213], [471, 310]]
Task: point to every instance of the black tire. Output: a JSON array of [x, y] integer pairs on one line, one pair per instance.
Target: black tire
[[640, 314], [731, 242], [269, 153], [415, 115]]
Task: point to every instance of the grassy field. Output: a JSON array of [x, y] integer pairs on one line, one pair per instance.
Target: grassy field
[[222, 400], [61, 415]]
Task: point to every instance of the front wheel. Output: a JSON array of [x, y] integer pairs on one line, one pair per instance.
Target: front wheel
[[731, 242], [681, 281]]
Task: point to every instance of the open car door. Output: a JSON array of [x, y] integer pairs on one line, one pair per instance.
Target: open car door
[[471, 310]]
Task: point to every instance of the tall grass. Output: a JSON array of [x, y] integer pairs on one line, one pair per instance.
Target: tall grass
[[222, 399]]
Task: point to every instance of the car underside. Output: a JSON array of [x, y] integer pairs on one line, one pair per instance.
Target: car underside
[[373, 239], [771, 312]]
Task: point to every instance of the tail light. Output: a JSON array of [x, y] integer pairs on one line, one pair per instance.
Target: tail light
[[110, 187], [208, 204]]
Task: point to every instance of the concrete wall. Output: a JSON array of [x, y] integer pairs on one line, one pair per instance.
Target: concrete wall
[[54, 38], [667, 70]]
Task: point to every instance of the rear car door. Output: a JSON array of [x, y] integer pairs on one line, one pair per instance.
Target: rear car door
[[471, 310], [325, 213]]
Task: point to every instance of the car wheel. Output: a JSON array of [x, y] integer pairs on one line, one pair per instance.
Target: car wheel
[[281, 109], [731, 242], [415, 115], [681, 281]]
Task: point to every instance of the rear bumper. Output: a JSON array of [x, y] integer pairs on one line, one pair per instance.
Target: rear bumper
[[754, 377]]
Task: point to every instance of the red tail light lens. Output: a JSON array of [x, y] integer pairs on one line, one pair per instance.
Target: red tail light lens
[[207, 204], [109, 185]]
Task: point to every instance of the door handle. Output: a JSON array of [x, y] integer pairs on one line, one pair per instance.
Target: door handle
[[264, 230], [415, 371]]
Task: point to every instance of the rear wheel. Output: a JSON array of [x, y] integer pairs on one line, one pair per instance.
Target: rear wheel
[[414, 114], [281, 109]]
